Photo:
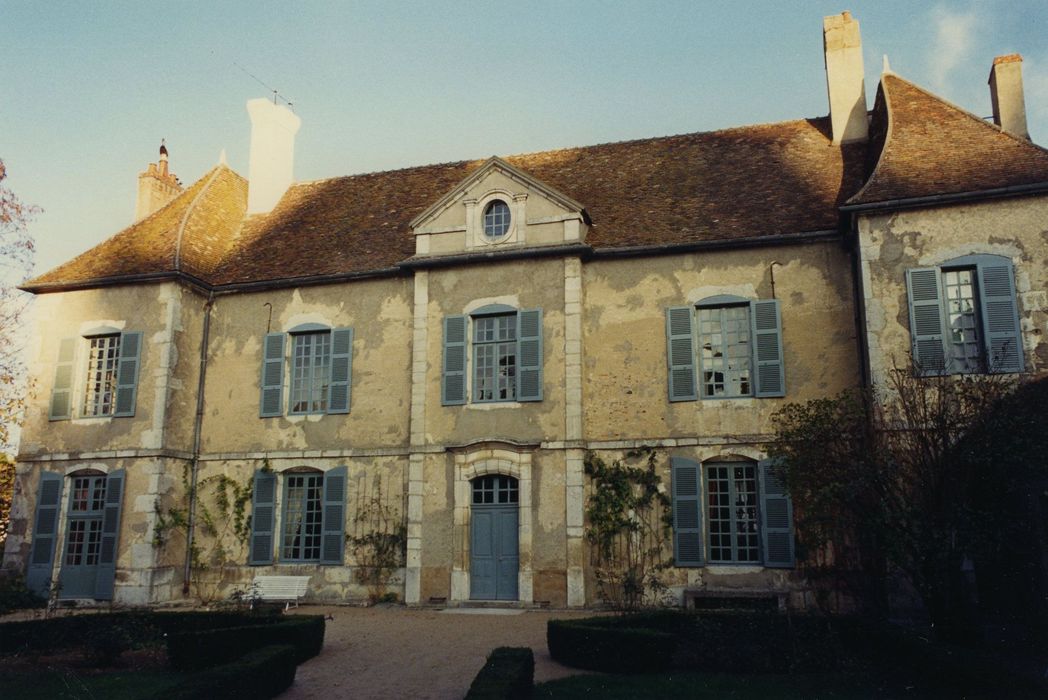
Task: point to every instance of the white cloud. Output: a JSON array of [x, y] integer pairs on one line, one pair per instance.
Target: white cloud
[[954, 39]]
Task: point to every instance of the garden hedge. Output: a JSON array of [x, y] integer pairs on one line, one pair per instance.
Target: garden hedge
[[190, 650], [262, 673], [597, 645], [508, 674]]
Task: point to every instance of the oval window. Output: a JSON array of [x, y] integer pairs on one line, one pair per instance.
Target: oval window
[[496, 220]]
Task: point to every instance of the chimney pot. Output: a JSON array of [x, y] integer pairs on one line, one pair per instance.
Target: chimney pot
[[1006, 95], [845, 84], [156, 187], [271, 164]]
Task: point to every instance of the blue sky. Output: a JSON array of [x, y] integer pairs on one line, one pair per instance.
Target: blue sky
[[89, 89]]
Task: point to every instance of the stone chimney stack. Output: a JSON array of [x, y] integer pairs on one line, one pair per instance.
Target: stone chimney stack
[[156, 187], [271, 164], [844, 77], [1006, 94]]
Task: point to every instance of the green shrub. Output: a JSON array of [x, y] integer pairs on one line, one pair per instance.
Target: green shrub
[[15, 596], [190, 650], [509, 673], [58, 633], [261, 673], [599, 645]]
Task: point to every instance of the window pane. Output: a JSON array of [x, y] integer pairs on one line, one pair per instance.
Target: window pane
[[302, 517], [732, 513], [495, 358], [103, 351], [310, 372], [724, 342], [965, 350], [496, 220]]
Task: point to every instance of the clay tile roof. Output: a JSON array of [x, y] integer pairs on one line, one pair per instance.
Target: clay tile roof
[[738, 183], [191, 234], [931, 147]]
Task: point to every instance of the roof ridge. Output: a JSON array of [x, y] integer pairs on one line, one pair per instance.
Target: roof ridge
[[177, 262]]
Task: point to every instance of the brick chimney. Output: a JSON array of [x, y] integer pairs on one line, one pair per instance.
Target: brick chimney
[[271, 164], [1006, 94], [844, 77], [156, 187]]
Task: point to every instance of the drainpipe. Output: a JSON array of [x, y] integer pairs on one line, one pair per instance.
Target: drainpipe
[[198, 419]]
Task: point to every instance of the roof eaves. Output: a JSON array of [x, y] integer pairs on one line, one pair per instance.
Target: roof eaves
[[949, 198]]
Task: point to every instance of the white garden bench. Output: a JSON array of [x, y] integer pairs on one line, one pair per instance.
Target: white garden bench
[[289, 589]]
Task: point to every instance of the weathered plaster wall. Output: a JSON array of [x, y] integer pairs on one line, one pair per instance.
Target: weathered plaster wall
[[379, 311], [892, 243], [624, 337]]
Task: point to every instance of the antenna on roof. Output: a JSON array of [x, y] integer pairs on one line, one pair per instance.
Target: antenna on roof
[[276, 95]]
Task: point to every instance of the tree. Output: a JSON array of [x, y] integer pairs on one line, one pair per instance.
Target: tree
[[16, 261], [880, 487]]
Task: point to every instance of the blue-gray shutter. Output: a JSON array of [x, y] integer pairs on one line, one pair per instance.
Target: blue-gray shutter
[[680, 353], [453, 374], [766, 324], [263, 505], [62, 390], [776, 517], [926, 320], [332, 528], [45, 532], [1000, 317], [687, 526], [529, 355], [127, 370], [340, 385], [110, 534], [271, 402]]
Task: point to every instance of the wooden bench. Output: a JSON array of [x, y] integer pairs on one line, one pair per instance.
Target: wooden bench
[[289, 589], [734, 599]]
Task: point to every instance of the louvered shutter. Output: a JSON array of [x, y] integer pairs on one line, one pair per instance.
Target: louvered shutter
[[271, 402], [766, 324], [340, 386], [687, 530], [332, 529], [776, 517], [927, 329], [110, 534], [62, 390], [45, 532], [529, 355], [1000, 317], [127, 372], [680, 351], [263, 505], [453, 376]]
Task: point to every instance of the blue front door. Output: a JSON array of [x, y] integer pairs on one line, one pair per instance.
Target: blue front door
[[494, 556], [81, 555]]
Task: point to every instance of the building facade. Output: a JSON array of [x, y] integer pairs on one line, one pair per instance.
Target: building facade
[[430, 354]]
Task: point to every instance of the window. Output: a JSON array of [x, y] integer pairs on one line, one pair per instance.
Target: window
[[739, 349], [320, 367], [110, 380], [506, 350], [313, 505], [964, 317], [496, 220], [736, 511]]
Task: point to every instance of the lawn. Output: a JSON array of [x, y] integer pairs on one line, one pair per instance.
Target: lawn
[[60, 684]]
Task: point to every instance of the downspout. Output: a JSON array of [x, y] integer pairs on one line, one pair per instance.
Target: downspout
[[859, 296], [198, 420]]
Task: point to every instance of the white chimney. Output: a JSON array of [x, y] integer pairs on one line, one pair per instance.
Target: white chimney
[[271, 166], [844, 77], [1006, 94]]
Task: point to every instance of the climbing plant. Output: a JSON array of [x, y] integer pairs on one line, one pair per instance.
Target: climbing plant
[[379, 543], [628, 518]]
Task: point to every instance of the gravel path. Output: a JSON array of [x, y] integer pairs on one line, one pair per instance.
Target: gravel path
[[395, 652]]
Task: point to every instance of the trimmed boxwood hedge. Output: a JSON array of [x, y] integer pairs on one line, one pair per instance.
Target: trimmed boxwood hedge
[[196, 649], [595, 644], [508, 673], [262, 673]]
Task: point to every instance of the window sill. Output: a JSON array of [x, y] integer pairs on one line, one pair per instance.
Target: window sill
[[494, 405]]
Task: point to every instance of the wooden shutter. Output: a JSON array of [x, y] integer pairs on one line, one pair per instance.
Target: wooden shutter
[[776, 517], [766, 325], [127, 372], [687, 526], [272, 381], [529, 355], [45, 533], [1002, 336], [263, 505], [332, 529], [453, 375], [110, 533], [340, 384], [680, 351], [927, 329], [62, 390]]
